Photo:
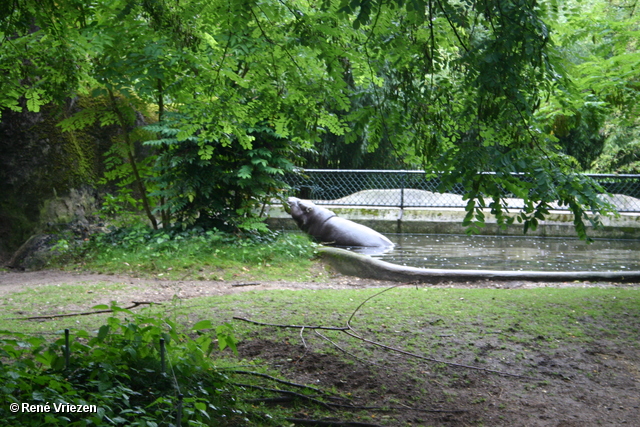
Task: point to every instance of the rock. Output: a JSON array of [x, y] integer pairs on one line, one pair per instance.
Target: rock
[[76, 205], [35, 253]]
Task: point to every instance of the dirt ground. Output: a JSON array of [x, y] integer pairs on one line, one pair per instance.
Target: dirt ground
[[594, 385]]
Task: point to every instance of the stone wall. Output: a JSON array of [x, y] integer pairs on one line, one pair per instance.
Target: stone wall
[[46, 175]]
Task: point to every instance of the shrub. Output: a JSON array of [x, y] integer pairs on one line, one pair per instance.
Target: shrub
[[120, 372]]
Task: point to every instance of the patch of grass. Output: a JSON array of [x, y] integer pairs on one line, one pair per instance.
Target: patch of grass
[[57, 299], [485, 328], [428, 320], [195, 254]]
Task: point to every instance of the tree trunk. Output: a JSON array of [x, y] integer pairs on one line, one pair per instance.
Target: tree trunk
[[166, 218], [134, 166]]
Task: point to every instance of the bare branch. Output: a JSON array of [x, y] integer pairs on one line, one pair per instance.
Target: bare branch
[[289, 393], [328, 328], [430, 359], [365, 301], [278, 380], [84, 313], [350, 331], [345, 351]]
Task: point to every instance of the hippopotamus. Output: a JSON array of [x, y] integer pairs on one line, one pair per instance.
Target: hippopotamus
[[328, 228]]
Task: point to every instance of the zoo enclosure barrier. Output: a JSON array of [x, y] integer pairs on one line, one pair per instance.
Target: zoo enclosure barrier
[[412, 188]]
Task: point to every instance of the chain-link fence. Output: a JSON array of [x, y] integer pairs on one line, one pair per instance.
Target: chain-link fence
[[406, 189]]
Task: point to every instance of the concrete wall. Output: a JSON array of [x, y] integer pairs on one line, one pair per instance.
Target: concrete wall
[[449, 221]]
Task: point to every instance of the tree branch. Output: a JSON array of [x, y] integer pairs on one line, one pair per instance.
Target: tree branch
[[278, 380], [350, 331], [289, 393], [84, 313], [329, 328]]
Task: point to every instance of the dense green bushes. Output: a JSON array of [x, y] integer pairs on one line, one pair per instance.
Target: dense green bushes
[[117, 377]]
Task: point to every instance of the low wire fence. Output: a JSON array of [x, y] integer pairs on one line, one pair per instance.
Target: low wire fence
[[408, 188]]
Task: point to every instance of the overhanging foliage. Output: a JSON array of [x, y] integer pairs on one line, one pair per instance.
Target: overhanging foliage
[[457, 87]]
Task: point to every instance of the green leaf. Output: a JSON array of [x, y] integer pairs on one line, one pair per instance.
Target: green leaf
[[245, 172], [226, 338], [103, 332], [203, 324]]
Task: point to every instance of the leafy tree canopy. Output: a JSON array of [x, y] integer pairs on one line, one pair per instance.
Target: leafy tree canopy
[[455, 87], [600, 50]]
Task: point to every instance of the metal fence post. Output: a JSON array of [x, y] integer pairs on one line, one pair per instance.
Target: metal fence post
[[402, 185], [67, 349], [179, 410], [162, 364]]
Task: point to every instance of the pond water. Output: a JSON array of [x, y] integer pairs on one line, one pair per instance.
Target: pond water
[[512, 253]]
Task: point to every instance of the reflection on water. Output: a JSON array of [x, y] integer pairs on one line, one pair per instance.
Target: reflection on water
[[512, 253]]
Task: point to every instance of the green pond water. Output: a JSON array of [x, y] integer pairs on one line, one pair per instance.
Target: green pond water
[[511, 253]]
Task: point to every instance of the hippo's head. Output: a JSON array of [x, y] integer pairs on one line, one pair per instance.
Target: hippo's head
[[306, 214], [301, 211]]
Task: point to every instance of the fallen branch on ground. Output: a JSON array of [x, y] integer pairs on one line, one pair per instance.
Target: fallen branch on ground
[[350, 331], [289, 393], [364, 362], [278, 380], [328, 328], [84, 313], [238, 285], [289, 396]]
